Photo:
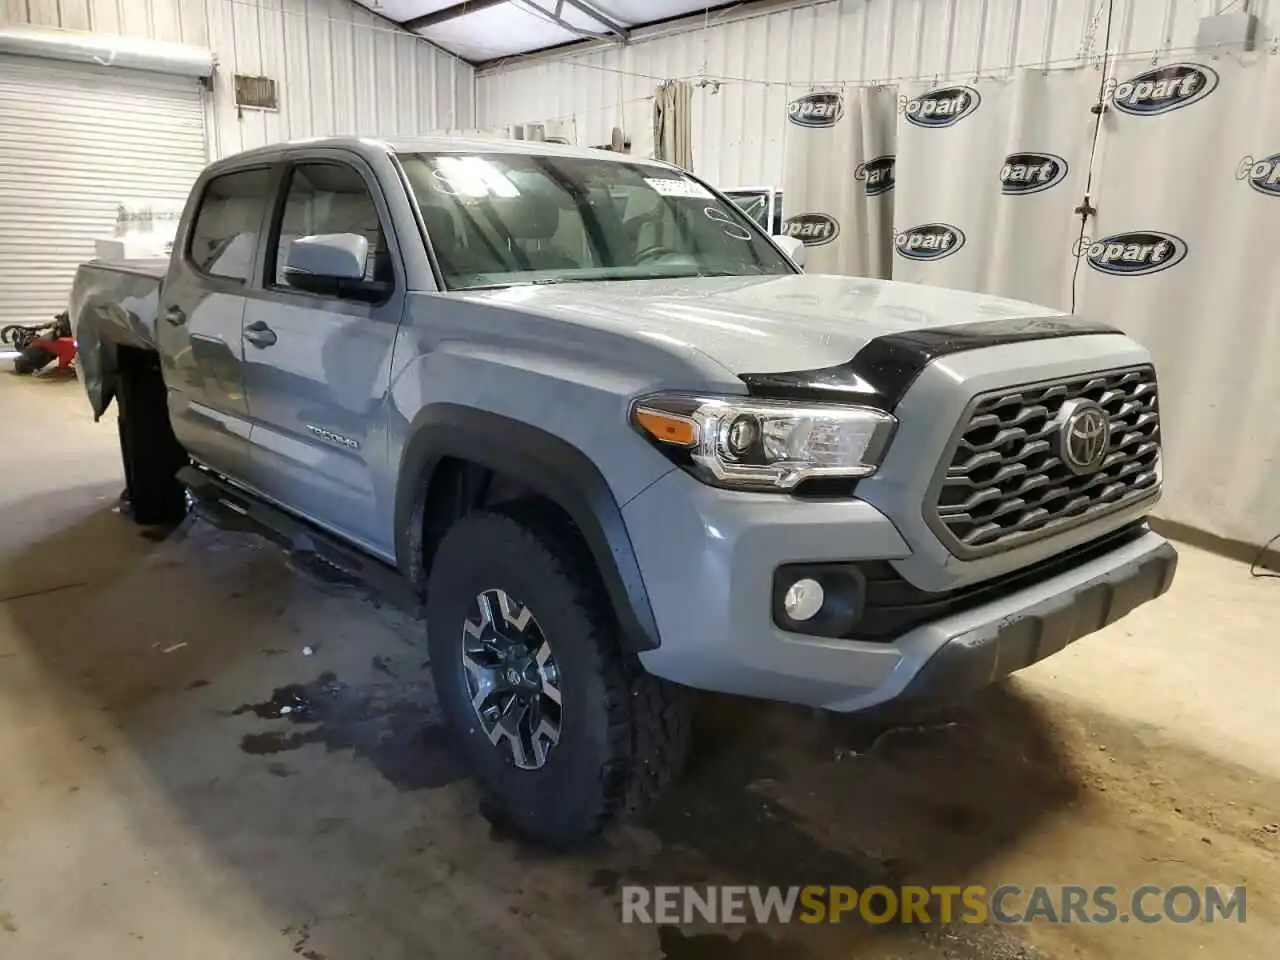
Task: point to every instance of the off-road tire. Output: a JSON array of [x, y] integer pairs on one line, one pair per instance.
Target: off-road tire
[[624, 734]]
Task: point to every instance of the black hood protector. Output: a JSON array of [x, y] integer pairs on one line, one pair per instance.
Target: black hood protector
[[880, 374]]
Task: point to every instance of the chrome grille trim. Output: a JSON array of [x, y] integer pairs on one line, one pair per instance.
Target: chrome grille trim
[[1001, 484]]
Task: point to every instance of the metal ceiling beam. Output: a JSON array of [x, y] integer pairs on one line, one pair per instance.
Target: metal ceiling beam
[[450, 13], [617, 29], [554, 16]]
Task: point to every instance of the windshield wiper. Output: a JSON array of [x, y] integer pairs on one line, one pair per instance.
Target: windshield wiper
[[541, 282], [690, 275], [616, 275]]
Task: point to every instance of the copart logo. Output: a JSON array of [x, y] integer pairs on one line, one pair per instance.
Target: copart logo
[[1134, 254], [929, 241], [1163, 89], [1263, 175], [816, 110], [877, 175], [942, 107], [812, 229], [1025, 173]]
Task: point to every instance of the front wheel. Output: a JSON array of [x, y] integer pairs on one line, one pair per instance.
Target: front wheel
[[560, 725]]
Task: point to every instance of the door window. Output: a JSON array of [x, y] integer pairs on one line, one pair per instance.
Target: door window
[[326, 198], [224, 237]]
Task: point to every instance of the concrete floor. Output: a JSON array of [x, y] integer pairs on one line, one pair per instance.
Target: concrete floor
[[148, 811]]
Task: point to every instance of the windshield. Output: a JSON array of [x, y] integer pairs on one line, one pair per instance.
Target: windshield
[[754, 203], [501, 219]]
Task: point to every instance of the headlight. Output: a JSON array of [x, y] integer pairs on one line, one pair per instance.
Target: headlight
[[764, 444]]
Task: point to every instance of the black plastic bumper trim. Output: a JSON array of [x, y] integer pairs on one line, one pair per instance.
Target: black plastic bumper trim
[[894, 606], [963, 665]]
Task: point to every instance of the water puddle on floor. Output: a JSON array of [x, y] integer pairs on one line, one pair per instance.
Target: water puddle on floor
[[394, 725]]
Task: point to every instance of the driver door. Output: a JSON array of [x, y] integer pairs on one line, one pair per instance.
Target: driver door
[[318, 367]]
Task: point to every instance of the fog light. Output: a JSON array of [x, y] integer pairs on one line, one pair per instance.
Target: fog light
[[803, 599]]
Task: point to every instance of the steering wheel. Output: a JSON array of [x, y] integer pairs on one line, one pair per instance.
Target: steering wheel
[[654, 252]]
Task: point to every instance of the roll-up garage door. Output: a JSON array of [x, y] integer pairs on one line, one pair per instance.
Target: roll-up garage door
[[76, 141]]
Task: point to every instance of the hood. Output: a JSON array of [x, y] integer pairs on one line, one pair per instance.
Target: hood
[[760, 324]]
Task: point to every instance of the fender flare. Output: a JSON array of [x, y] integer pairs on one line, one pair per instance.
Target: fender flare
[[547, 464]]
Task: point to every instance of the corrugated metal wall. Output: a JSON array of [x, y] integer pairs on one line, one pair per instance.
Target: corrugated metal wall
[[339, 69], [739, 124]]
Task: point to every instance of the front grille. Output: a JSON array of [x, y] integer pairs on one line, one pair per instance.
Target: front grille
[[1002, 482]]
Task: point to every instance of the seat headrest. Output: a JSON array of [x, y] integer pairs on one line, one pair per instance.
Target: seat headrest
[[531, 217], [351, 213], [440, 226]]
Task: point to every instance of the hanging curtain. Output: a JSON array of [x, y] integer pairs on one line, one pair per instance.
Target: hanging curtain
[[984, 195], [1187, 185], [989, 175], [845, 221], [673, 124]]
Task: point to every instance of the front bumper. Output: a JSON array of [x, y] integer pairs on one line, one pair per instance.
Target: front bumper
[[982, 655], [708, 556]]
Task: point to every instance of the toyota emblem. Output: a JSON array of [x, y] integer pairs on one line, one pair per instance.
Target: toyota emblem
[[1084, 436]]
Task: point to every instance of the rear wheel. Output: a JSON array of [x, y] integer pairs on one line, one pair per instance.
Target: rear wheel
[[561, 727]]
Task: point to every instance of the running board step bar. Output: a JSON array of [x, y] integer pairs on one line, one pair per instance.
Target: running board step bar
[[230, 508]]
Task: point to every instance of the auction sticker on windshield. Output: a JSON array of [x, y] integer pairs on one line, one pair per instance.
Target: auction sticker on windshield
[[672, 187]]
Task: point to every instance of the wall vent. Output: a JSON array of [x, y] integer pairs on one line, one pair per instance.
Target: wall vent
[[259, 93]]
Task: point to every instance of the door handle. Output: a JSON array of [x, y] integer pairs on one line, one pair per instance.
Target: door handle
[[175, 316], [259, 334]]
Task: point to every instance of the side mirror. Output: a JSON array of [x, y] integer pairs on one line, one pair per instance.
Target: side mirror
[[792, 247], [327, 263]]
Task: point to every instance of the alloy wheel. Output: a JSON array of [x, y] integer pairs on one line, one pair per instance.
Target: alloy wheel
[[512, 678]]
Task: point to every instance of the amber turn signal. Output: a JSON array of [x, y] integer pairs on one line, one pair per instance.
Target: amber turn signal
[[667, 427]]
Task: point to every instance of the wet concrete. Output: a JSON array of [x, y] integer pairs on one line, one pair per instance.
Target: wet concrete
[[392, 725], [157, 800]]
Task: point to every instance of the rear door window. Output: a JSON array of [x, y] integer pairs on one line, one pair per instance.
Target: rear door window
[[224, 237]]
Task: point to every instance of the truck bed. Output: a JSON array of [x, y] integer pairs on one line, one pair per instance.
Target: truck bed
[[113, 304]]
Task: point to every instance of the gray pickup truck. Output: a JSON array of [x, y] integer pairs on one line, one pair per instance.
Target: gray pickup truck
[[618, 443]]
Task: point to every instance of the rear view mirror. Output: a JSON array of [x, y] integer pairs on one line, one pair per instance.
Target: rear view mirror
[[793, 248], [328, 263]]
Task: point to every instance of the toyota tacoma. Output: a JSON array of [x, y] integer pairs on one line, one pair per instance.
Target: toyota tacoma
[[618, 444]]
